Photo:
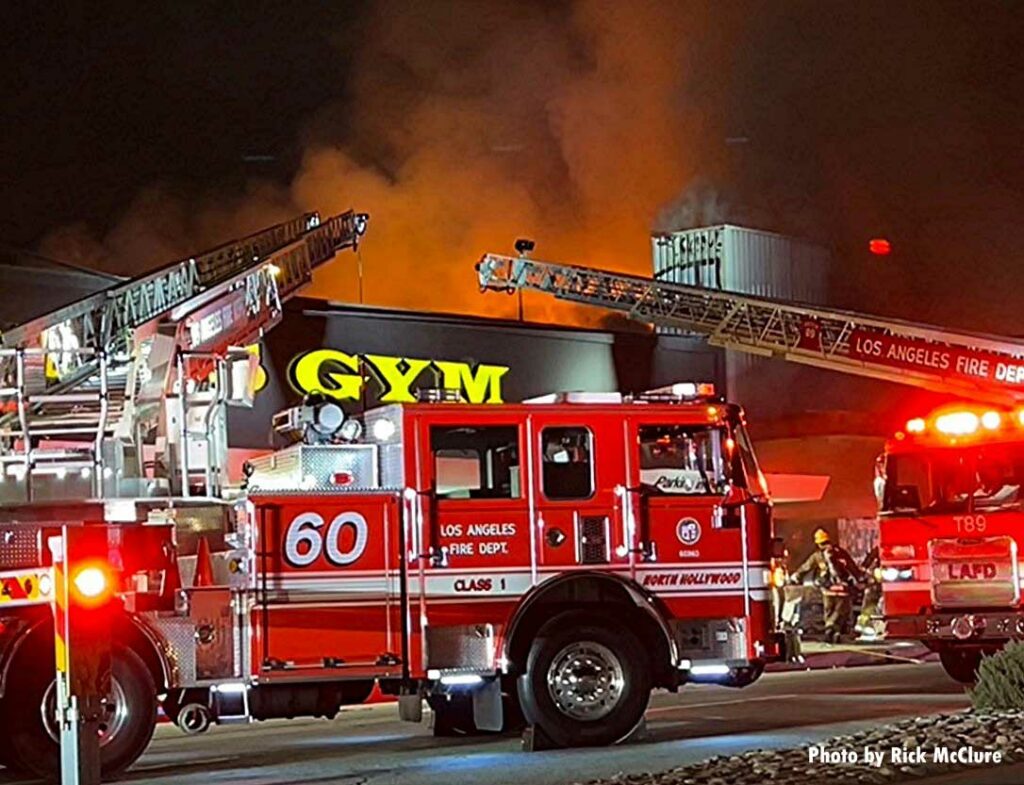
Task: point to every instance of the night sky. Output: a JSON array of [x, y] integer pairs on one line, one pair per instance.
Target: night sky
[[134, 134]]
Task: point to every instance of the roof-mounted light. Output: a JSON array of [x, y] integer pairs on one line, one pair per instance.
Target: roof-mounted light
[[680, 391], [916, 425], [692, 389], [957, 423], [991, 420]]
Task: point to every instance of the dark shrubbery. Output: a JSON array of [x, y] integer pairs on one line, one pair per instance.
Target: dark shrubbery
[[1001, 680]]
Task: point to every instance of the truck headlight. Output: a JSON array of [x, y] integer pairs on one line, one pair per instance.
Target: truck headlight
[[894, 574]]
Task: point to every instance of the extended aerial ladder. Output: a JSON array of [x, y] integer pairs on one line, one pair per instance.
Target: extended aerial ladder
[[983, 367], [151, 361]]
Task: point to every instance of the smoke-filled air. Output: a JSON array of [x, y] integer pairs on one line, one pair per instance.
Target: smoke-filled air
[[568, 124]]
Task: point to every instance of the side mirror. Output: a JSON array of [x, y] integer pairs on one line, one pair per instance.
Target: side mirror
[[735, 497], [729, 515]]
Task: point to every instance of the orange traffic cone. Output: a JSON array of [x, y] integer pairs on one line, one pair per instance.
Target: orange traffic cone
[[204, 566], [172, 579]]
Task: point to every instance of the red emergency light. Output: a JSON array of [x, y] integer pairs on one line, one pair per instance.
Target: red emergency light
[[879, 246], [92, 584]]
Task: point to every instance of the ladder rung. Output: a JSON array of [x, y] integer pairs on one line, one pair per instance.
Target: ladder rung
[[66, 397], [81, 463], [52, 431], [40, 453], [69, 463], [44, 418], [39, 426]]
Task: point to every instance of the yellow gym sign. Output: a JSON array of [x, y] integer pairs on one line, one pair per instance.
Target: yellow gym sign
[[339, 375]]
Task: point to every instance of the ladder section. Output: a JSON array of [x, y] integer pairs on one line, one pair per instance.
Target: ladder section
[[84, 387], [100, 320], [984, 367]]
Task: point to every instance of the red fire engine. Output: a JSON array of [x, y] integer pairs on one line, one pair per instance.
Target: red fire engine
[[950, 485], [565, 555]]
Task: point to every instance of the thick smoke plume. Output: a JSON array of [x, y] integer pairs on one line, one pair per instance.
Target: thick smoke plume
[[468, 125], [476, 124]]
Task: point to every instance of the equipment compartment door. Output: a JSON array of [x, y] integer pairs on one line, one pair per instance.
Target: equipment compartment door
[[578, 463], [328, 581]]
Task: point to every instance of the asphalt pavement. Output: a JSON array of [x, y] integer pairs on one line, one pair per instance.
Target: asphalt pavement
[[367, 744]]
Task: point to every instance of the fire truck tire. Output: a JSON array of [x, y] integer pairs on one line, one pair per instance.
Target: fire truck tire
[[585, 685], [33, 745], [961, 664]]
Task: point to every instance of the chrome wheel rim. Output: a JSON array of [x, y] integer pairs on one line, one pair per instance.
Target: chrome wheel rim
[[586, 680], [112, 721]]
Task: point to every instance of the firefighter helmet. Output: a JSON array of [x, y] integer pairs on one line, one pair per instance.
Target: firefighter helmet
[[821, 537]]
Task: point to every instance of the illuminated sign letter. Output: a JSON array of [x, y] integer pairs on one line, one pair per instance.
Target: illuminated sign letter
[[480, 385], [324, 371], [393, 379]]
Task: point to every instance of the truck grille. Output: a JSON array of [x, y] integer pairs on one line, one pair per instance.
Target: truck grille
[[974, 573], [592, 536], [19, 547]]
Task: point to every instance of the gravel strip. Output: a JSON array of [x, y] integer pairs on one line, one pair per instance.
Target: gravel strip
[[897, 752]]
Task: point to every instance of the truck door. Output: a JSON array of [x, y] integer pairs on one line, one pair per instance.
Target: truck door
[[579, 515], [688, 548], [476, 524], [327, 579]]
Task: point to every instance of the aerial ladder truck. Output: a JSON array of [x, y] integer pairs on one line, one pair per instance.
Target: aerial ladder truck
[[950, 484], [113, 421]]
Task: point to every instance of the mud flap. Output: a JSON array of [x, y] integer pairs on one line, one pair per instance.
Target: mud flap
[[410, 707], [488, 713]]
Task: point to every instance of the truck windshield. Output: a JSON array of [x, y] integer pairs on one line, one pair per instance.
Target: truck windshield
[[955, 480], [683, 459]]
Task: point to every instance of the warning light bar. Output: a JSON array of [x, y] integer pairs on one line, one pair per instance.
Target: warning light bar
[[963, 422], [693, 389], [680, 392]]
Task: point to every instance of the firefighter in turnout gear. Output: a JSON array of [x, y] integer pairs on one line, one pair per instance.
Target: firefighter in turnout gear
[[871, 605], [835, 572]]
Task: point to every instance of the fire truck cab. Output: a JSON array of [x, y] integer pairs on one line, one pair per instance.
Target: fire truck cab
[[562, 556], [951, 486]]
